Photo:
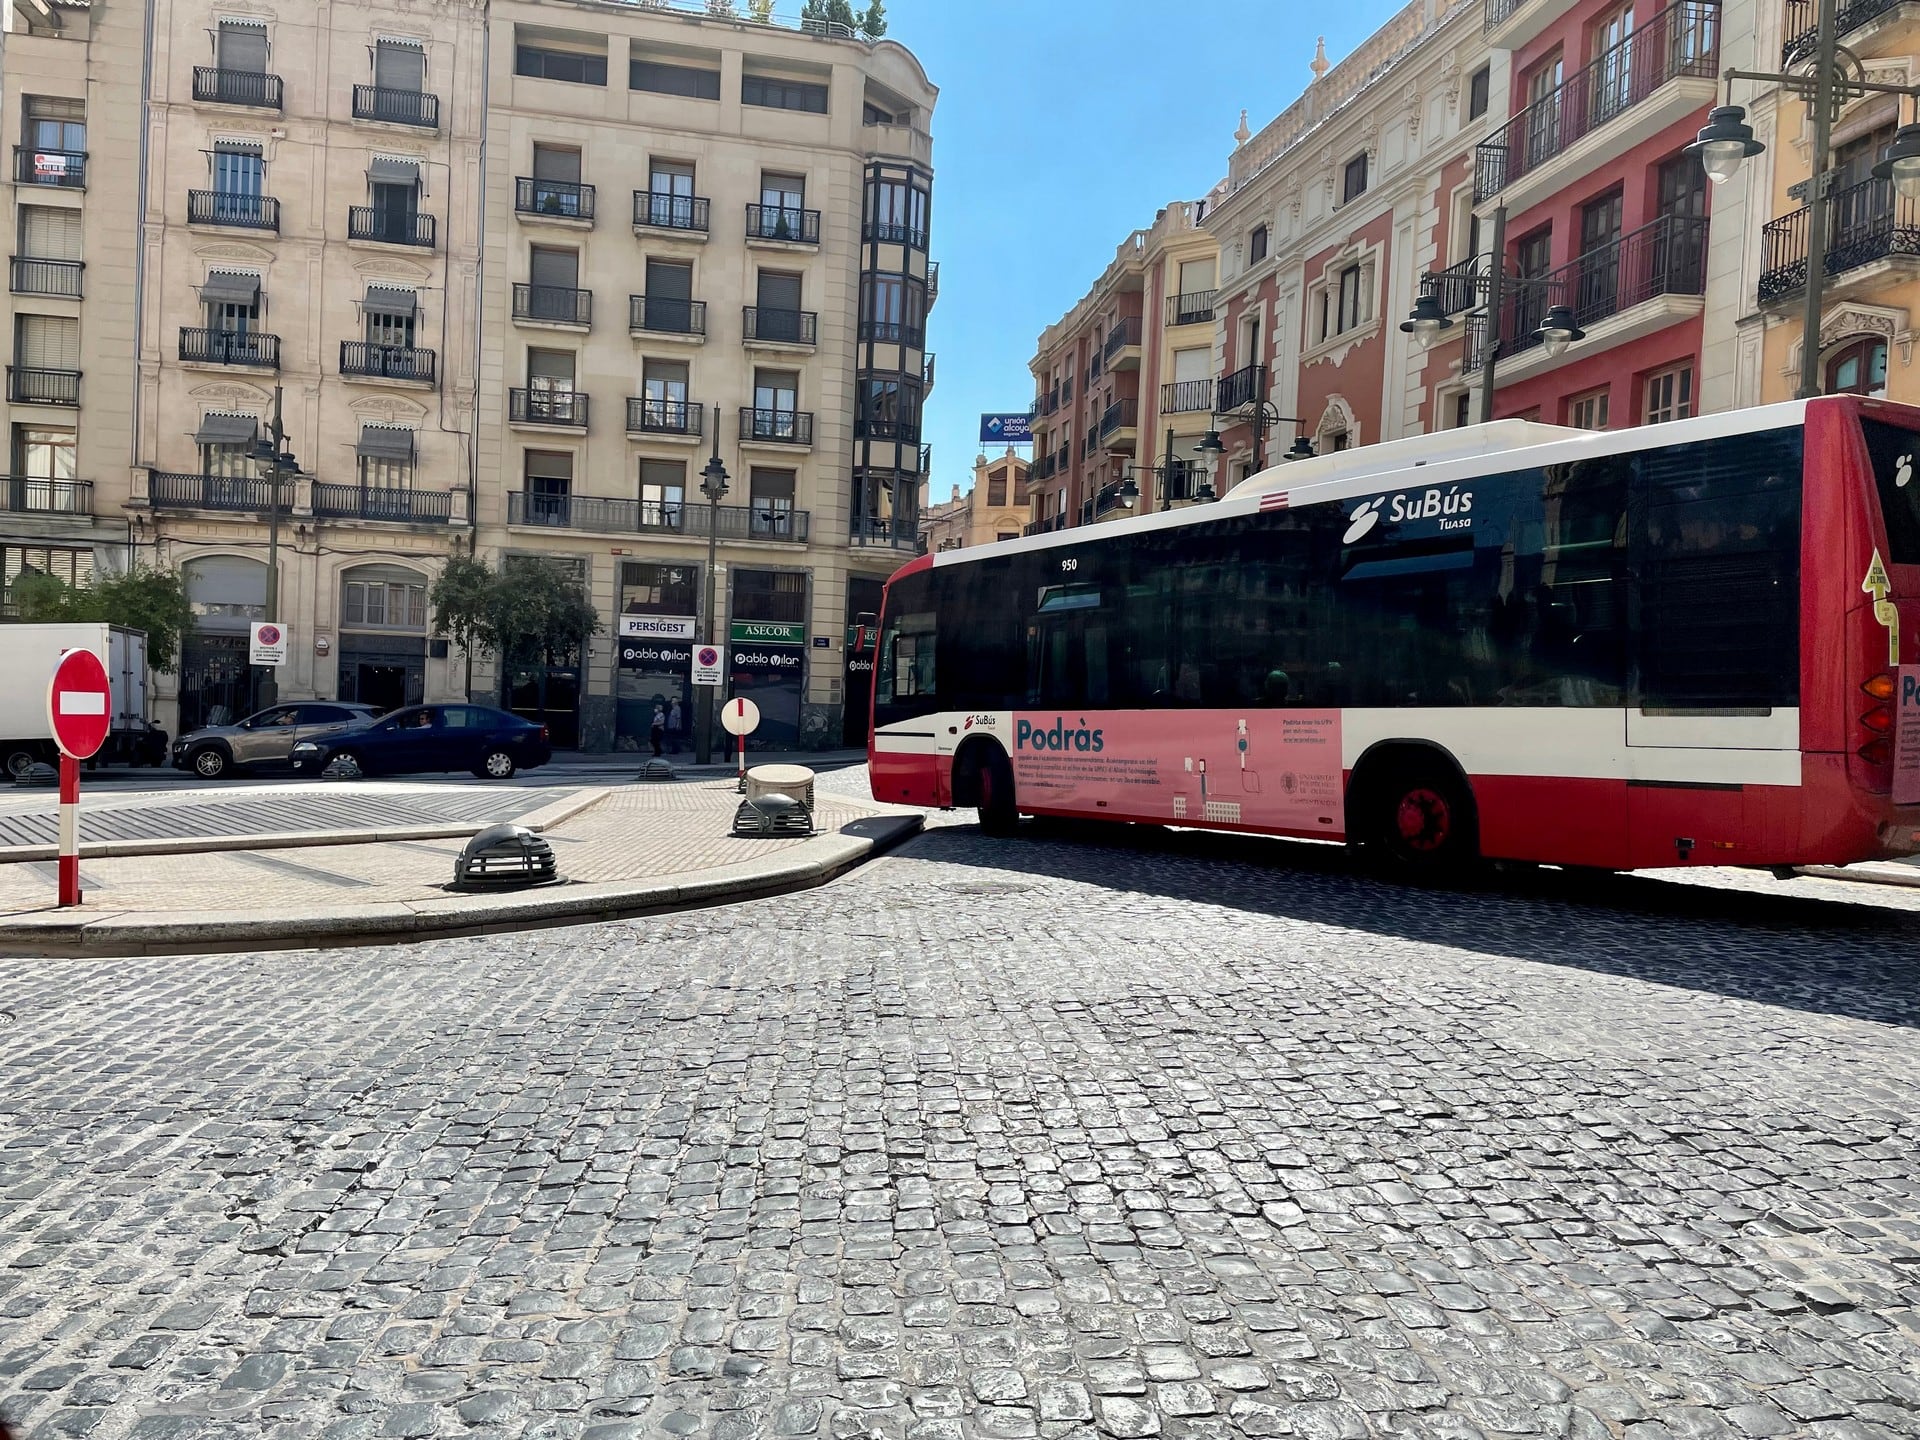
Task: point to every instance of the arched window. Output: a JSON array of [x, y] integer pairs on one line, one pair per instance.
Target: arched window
[[1858, 367]]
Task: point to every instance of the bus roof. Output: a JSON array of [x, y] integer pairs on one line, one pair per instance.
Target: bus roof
[[1442, 458]]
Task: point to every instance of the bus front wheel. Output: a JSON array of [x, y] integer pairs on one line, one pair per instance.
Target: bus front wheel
[[998, 815], [1421, 821]]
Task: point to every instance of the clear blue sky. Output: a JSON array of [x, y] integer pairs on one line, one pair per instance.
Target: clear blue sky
[[1061, 127]]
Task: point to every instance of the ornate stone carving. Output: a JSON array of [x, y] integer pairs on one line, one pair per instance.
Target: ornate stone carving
[[229, 393], [229, 250], [387, 407]]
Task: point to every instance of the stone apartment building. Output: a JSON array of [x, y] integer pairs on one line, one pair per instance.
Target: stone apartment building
[[511, 273]]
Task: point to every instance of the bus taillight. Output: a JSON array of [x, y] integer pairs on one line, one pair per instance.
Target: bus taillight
[[1880, 687], [1875, 752], [1878, 721]]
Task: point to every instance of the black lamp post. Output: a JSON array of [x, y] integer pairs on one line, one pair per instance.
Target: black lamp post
[[1836, 78], [1429, 319], [271, 452], [713, 485], [1262, 416]]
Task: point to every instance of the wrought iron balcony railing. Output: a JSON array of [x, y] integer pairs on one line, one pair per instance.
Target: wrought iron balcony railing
[[1681, 40], [171, 490], [1125, 333], [897, 532], [1865, 222], [559, 199], [1802, 27], [214, 86], [33, 276], [1245, 386], [656, 210], [241, 212], [1123, 414], [547, 407], [1195, 307], [666, 315], [367, 502], [390, 227], [202, 345], [650, 416], [892, 332], [780, 327], [609, 516], [387, 362], [555, 304], [38, 385], [41, 495], [396, 107], [1185, 395], [783, 222], [787, 427], [1667, 256], [894, 232], [64, 168]]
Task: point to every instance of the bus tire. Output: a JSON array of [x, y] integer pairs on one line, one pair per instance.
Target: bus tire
[[1418, 819], [998, 813]]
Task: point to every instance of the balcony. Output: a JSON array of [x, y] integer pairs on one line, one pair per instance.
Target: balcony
[[1120, 424], [556, 409], [686, 215], [1646, 280], [553, 305], [926, 370], [892, 332], [1122, 350], [561, 201], [403, 507], [66, 169], [1655, 78], [396, 107], [649, 416], [40, 495], [899, 532], [933, 281], [775, 427], [251, 494], [36, 385], [200, 345], [1048, 403], [899, 432], [1510, 24], [364, 360], [1866, 224], [1043, 468], [390, 227], [1457, 287], [233, 212], [32, 276], [667, 315], [1195, 307], [1245, 387], [894, 232], [783, 329], [213, 86], [691, 519], [1046, 526], [1180, 396], [1801, 25], [782, 225]]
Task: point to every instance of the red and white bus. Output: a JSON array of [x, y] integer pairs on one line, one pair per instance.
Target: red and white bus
[[1666, 646]]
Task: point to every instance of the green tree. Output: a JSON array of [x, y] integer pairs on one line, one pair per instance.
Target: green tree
[[761, 10], [142, 599], [525, 610], [836, 12], [459, 599], [873, 24]]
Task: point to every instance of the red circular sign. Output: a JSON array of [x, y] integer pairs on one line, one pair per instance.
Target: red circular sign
[[269, 634], [80, 704], [709, 655]]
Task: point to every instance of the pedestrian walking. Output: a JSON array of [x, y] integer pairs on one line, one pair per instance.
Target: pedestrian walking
[[673, 726], [659, 729]]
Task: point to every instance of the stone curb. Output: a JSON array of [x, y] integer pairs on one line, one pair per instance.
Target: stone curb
[[544, 818], [124, 932], [1872, 872]]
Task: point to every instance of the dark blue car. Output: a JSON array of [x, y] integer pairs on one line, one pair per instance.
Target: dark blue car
[[491, 743]]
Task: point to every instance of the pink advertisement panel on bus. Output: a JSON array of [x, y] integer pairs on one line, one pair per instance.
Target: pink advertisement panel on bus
[[1271, 769]]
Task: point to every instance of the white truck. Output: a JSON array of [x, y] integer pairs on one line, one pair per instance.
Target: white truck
[[27, 656]]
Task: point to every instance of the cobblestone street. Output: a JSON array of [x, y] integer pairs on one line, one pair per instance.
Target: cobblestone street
[[1053, 1137]]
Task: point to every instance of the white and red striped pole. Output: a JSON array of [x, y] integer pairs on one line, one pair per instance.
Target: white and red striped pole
[[740, 773], [69, 830]]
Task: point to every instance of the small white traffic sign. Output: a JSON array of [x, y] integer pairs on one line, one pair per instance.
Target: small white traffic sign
[[268, 645], [707, 665], [79, 704], [740, 716]]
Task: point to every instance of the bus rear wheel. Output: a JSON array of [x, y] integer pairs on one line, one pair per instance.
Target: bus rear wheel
[[1422, 823], [998, 814]]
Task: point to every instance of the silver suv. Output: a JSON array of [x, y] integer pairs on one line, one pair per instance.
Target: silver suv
[[266, 738]]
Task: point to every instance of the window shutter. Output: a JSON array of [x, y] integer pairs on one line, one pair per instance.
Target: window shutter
[[550, 163], [49, 342], [555, 267], [398, 65], [779, 292], [241, 46], [666, 281], [50, 234]]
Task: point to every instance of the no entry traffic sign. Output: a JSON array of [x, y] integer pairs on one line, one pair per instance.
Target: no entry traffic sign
[[79, 712], [79, 704]]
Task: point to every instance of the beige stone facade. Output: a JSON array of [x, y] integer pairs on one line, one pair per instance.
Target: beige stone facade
[[513, 272], [994, 507]]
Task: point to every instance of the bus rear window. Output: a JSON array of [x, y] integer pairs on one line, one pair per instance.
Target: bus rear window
[[1895, 455]]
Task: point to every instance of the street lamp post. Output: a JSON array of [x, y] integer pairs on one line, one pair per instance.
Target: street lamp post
[[1429, 318], [1837, 78], [713, 485], [1265, 415]]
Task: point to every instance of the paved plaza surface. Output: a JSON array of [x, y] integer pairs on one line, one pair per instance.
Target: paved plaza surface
[[1058, 1136]]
